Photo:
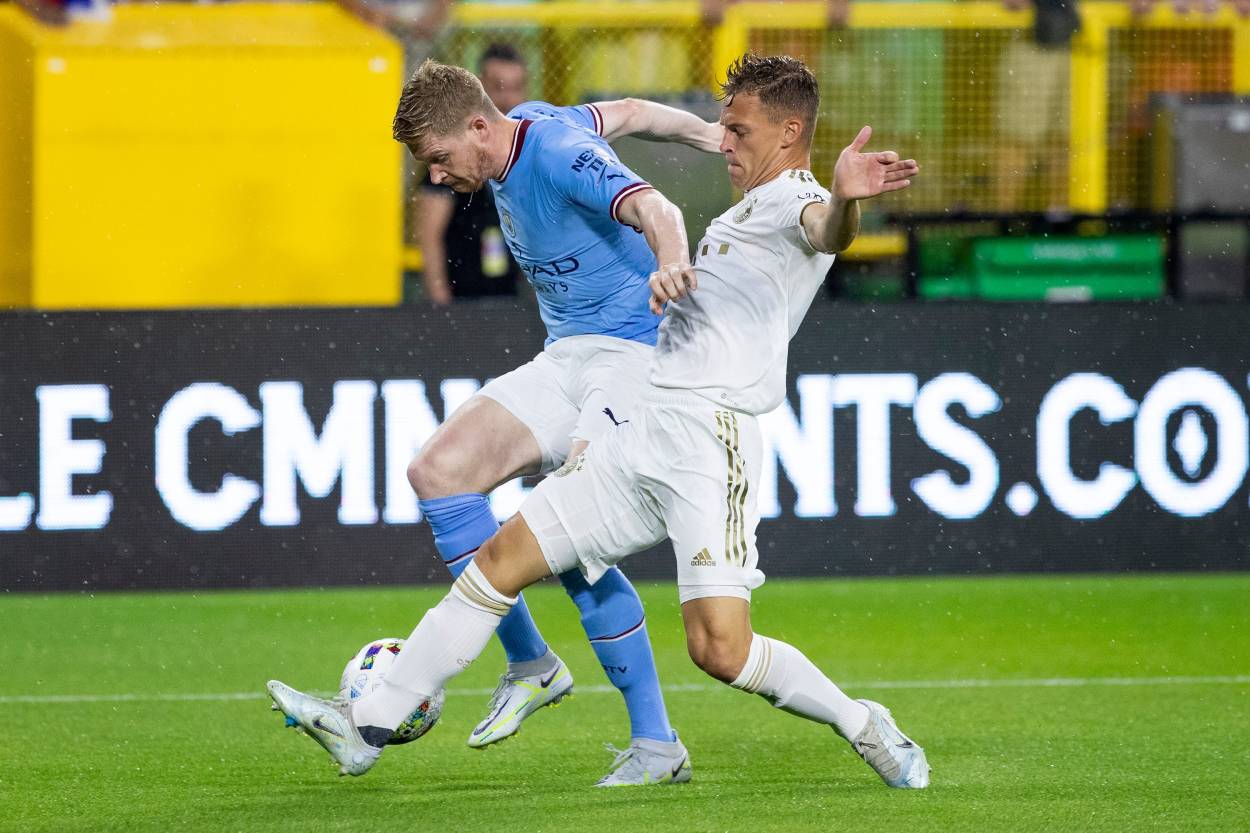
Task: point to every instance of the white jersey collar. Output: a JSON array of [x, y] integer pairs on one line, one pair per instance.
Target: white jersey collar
[[788, 173]]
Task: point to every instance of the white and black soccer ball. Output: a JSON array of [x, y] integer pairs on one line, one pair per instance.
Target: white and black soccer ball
[[366, 671]]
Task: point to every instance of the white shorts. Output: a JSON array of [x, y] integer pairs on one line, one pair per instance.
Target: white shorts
[[575, 389], [682, 468]]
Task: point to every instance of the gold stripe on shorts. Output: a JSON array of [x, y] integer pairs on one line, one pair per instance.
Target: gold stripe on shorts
[[735, 489]]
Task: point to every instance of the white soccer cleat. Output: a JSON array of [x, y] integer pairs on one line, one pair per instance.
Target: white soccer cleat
[[648, 762], [516, 698], [896, 758], [329, 723]]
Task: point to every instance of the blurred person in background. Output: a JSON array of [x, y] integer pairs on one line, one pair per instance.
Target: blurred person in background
[[462, 245], [415, 22], [60, 12], [1242, 7], [1032, 104], [46, 11]]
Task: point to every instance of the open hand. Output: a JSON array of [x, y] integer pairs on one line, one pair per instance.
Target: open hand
[[859, 176]]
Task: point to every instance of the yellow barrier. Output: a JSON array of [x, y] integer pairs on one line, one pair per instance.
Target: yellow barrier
[[189, 155]]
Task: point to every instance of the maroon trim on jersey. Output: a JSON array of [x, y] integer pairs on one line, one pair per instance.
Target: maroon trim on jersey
[[518, 139], [598, 117], [632, 188]]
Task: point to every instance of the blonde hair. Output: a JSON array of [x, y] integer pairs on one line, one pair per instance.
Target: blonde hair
[[438, 100]]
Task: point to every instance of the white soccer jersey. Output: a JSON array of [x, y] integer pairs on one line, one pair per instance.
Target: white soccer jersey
[[757, 275]]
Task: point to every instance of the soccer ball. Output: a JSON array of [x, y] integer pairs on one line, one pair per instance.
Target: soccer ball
[[365, 672]]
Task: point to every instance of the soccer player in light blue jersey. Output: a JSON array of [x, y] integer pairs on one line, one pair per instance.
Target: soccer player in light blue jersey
[[589, 235]]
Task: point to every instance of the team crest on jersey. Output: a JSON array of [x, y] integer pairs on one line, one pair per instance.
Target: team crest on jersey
[[507, 223], [741, 215]]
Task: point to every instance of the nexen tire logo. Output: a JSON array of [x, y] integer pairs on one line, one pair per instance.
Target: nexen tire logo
[[1190, 450]]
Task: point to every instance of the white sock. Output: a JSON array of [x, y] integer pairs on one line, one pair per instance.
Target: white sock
[[447, 639], [783, 676]]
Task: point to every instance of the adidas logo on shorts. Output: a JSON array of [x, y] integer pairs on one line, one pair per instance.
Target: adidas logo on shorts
[[702, 558]]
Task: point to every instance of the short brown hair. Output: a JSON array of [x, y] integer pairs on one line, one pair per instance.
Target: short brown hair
[[437, 100], [785, 86]]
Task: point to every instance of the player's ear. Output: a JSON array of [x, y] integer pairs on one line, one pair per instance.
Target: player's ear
[[478, 125], [791, 132]]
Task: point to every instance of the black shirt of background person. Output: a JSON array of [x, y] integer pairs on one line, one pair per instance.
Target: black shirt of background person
[[478, 261], [1055, 23]]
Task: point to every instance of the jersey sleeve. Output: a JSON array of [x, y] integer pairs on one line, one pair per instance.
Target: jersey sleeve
[[797, 196], [589, 173], [585, 116], [591, 115]]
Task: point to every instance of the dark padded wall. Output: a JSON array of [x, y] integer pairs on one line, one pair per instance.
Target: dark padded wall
[[916, 439]]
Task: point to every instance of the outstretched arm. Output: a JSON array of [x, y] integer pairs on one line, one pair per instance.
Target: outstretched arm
[[856, 176], [662, 223], [658, 123]]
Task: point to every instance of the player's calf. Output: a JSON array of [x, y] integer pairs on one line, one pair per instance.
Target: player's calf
[[718, 635]]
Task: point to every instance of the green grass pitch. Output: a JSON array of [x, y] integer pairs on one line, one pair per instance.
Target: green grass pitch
[[1045, 703]]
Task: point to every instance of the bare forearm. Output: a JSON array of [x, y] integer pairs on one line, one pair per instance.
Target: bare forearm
[[658, 123], [434, 268], [433, 217], [662, 224], [840, 226]]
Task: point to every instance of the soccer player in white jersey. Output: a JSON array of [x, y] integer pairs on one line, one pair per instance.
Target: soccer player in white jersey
[[687, 465]]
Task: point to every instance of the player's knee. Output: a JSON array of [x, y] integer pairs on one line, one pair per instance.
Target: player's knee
[[719, 657], [434, 472], [511, 559], [487, 556], [490, 558]]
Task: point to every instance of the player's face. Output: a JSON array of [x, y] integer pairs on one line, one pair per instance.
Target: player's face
[[752, 141], [505, 83], [458, 161]]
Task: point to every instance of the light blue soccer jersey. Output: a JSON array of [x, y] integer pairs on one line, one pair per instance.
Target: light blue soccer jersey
[[557, 200]]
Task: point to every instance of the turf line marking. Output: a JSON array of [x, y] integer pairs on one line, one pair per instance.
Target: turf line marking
[[1045, 682]]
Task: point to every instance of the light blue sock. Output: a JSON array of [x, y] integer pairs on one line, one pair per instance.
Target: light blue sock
[[461, 524], [613, 618]]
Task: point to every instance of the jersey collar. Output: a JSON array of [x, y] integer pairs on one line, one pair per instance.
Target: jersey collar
[[801, 174], [518, 139]]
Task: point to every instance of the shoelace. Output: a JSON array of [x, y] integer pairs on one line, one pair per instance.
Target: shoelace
[[500, 692], [623, 756], [875, 751]]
